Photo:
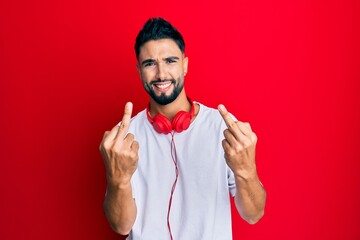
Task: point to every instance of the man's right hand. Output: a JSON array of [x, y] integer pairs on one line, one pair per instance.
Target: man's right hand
[[119, 151]]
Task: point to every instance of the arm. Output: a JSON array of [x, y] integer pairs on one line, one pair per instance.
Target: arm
[[239, 147], [120, 208], [250, 199], [119, 151]]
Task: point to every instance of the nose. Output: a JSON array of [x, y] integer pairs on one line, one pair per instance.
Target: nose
[[161, 71]]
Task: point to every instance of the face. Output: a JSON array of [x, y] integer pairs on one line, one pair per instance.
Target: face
[[162, 67]]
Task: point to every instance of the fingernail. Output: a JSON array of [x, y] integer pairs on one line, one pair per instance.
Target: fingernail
[[221, 107], [129, 104]]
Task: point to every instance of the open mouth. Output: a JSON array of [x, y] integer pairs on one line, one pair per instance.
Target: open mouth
[[162, 85]]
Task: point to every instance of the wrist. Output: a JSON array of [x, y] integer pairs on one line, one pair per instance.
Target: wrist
[[118, 184], [246, 176]]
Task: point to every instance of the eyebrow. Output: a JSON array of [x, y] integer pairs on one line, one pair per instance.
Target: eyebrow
[[171, 58], [152, 60]]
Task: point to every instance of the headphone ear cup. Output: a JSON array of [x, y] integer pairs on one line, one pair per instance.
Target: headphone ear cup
[[181, 121], [162, 124]]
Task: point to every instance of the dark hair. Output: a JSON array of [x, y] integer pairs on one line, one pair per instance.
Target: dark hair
[[155, 29]]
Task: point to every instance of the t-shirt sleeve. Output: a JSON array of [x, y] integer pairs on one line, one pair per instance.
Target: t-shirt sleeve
[[133, 186], [231, 182]]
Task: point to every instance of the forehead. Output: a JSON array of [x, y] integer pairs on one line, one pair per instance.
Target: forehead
[[159, 49]]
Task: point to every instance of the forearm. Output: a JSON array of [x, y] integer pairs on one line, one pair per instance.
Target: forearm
[[120, 208], [250, 198]]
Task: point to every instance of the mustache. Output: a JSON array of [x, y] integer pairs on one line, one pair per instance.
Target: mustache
[[165, 80]]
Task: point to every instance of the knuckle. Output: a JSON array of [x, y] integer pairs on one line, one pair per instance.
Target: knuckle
[[106, 145], [115, 128], [135, 145], [116, 151], [238, 148], [123, 126], [105, 136], [127, 112], [134, 155], [247, 143], [106, 133], [120, 153], [231, 153], [233, 124], [127, 154], [254, 137], [130, 136]]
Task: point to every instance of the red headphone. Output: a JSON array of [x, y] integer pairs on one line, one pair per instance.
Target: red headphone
[[180, 122]]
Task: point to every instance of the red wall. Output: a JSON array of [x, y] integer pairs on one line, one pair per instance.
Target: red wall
[[290, 68]]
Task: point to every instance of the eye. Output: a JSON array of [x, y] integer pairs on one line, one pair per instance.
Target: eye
[[149, 64], [171, 60]]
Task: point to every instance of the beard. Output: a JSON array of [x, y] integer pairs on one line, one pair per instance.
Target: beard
[[163, 99]]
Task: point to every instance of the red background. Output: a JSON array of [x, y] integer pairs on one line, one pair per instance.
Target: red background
[[290, 68]]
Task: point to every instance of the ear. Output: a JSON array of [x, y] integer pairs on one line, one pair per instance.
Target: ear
[[185, 65]]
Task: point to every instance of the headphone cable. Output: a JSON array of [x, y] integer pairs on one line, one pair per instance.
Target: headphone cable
[[174, 158]]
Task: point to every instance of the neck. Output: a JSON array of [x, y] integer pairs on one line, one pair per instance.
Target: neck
[[171, 109]]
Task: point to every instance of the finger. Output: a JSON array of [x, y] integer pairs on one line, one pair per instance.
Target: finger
[[106, 134], [225, 145], [248, 125], [125, 122], [230, 123], [129, 137], [135, 146], [245, 128], [227, 148], [225, 115], [135, 150], [230, 138], [103, 139], [126, 142], [237, 144], [109, 136]]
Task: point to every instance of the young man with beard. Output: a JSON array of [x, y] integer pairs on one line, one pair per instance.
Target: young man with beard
[[170, 168]]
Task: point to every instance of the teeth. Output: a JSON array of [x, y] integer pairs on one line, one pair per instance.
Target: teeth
[[162, 86]]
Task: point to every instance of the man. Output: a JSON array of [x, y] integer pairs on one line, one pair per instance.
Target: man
[[173, 181]]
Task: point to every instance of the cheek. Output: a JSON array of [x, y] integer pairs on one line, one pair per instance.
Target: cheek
[[145, 77], [176, 72]]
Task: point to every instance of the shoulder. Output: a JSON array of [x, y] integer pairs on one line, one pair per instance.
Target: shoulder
[[138, 118], [208, 118], [205, 111], [210, 114]]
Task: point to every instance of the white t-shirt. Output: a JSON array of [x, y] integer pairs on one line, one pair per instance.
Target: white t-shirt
[[201, 202]]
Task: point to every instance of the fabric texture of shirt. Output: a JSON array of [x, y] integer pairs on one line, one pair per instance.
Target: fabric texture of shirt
[[201, 200]]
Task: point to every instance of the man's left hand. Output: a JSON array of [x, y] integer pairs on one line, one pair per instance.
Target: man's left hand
[[239, 146]]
